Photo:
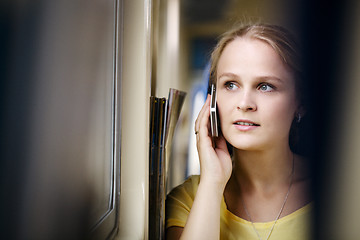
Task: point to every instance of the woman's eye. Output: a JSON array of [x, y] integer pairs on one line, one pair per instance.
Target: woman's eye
[[230, 86], [265, 87]]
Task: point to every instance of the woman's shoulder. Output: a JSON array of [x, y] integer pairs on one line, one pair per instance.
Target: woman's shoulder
[[187, 189], [179, 202]]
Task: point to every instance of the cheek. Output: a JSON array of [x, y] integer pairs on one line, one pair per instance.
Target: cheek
[[224, 106], [221, 112], [281, 112], [224, 110]]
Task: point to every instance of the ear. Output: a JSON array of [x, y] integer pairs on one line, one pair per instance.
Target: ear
[[299, 114], [300, 110]]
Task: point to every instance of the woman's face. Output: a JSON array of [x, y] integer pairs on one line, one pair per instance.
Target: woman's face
[[256, 96]]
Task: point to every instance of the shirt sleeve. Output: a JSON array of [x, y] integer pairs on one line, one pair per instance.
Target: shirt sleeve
[[179, 202]]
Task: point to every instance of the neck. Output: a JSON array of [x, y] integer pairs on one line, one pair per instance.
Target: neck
[[262, 170]]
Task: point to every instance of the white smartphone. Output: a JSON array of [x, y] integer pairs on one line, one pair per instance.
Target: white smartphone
[[213, 114]]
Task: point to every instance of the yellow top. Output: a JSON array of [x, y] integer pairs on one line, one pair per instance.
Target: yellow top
[[295, 226]]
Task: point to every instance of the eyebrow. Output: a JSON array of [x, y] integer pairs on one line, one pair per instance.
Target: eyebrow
[[260, 78], [230, 75], [270, 78]]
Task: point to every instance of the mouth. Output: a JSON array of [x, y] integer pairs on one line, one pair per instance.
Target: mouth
[[246, 123]]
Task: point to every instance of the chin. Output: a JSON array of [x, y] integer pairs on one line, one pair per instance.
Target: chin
[[246, 145], [250, 142], [247, 148]]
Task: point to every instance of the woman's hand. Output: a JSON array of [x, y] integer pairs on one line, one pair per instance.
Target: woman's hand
[[215, 160], [203, 221]]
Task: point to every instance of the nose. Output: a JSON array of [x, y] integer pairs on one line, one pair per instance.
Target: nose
[[247, 102]]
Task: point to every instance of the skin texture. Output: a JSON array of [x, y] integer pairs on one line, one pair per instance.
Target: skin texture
[[254, 86]]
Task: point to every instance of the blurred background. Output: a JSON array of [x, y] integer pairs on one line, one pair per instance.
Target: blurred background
[[76, 80]]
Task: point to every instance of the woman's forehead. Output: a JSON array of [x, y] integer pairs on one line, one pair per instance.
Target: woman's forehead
[[246, 55]]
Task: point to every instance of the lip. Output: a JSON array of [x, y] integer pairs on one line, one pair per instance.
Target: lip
[[245, 127]]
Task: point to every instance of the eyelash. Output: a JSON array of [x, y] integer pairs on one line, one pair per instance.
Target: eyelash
[[268, 85], [228, 84]]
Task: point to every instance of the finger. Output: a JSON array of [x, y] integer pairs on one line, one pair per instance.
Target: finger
[[204, 123], [201, 113], [203, 128], [203, 109], [204, 116]]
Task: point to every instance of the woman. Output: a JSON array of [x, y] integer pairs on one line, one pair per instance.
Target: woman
[[260, 190]]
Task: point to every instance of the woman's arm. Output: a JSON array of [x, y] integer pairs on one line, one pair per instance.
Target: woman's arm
[[215, 165], [204, 218]]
